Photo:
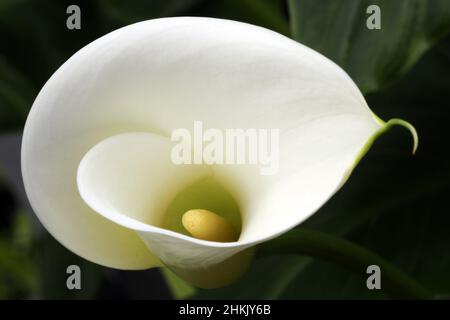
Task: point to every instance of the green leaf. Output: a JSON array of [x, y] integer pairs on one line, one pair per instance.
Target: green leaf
[[22, 233], [373, 58], [16, 96], [18, 274]]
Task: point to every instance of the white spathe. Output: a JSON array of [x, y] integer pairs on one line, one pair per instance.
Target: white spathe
[[96, 147]]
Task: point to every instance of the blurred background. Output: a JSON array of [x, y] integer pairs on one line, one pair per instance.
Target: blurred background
[[394, 204]]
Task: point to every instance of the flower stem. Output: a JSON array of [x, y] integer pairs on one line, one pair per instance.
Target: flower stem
[[319, 245]]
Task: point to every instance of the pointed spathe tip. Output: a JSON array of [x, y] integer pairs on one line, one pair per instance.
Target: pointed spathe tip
[[407, 125]]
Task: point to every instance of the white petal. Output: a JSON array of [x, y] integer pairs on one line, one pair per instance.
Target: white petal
[[130, 179], [164, 74]]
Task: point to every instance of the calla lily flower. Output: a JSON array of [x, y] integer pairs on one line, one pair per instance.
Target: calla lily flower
[[96, 145]]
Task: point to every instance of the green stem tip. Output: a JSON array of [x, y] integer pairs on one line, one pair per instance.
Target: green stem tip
[[405, 124], [386, 126]]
